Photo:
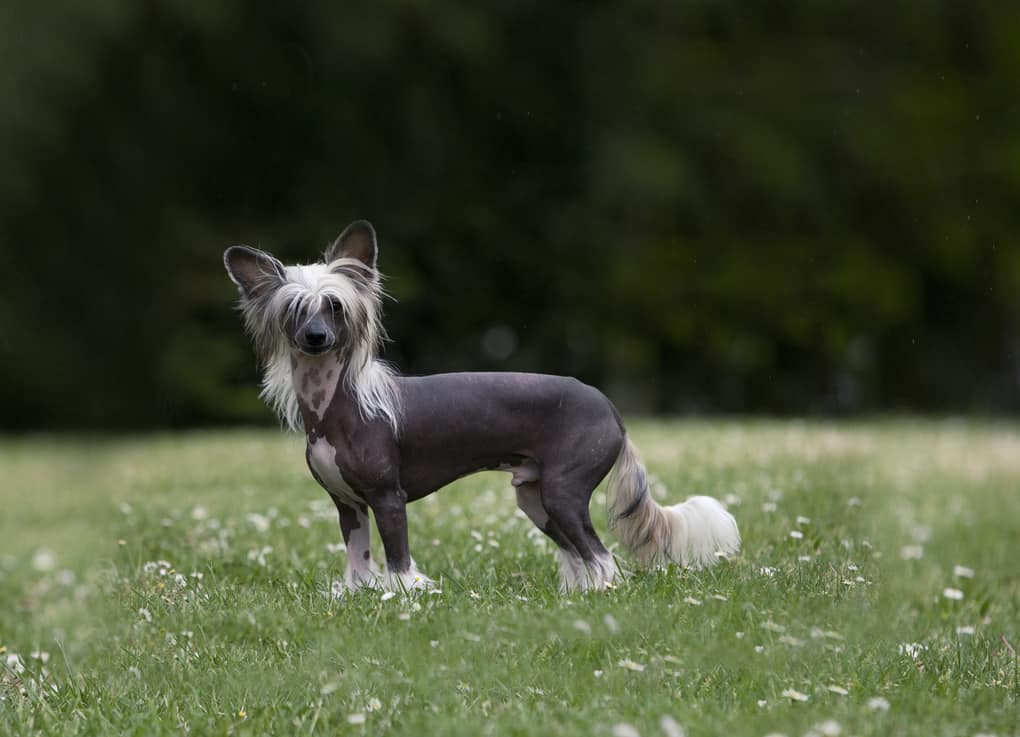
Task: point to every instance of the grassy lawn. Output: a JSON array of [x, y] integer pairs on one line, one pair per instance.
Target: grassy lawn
[[179, 583]]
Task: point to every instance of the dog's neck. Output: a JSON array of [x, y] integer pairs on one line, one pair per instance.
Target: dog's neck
[[316, 379]]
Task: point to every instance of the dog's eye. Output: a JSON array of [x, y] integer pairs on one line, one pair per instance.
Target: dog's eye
[[335, 306]]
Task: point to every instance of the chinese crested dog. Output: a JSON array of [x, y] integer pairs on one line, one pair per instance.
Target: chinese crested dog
[[377, 440]]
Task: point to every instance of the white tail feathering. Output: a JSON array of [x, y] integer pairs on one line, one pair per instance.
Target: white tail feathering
[[692, 534]]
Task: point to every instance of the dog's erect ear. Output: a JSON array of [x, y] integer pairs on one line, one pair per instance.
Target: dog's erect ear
[[357, 241], [254, 271]]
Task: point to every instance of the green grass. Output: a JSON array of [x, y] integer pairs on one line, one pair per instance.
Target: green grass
[[250, 643]]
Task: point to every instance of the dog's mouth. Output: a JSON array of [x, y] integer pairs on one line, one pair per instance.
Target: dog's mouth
[[313, 350]]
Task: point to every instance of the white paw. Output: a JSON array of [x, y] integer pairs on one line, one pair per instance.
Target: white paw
[[598, 574], [406, 581], [356, 579]]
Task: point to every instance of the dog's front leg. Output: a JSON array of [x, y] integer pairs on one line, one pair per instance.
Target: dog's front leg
[[391, 518], [356, 529]]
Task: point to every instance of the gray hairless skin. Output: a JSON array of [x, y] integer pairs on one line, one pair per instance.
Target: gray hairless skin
[[553, 433]]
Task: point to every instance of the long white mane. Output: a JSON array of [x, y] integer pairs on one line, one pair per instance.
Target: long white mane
[[357, 289]]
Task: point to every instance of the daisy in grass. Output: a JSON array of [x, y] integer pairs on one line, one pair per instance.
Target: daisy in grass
[[794, 695], [878, 703]]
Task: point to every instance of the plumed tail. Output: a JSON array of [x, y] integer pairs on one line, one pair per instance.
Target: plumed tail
[[692, 534]]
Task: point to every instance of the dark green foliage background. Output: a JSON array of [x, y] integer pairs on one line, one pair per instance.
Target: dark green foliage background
[[782, 207]]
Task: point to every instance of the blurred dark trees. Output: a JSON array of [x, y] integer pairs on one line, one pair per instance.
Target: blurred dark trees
[[709, 206]]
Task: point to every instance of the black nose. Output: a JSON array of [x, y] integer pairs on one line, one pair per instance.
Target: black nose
[[315, 338]]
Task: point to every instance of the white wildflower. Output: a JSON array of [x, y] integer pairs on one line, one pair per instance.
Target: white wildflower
[[912, 552], [953, 594], [911, 649], [796, 534], [692, 601], [803, 520], [837, 690], [967, 629], [373, 705], [963, 572], [44, 560], [794, 695], [259, 522], [878, 703], [387, 596], [670, 727], [768, 571], [625, 730], [581, 626], [829, 728], [356, 718], [611, 624], [631, 665], [597, 673], [259, 556]]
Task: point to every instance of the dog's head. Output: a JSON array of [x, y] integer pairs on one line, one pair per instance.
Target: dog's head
[[315, 309]]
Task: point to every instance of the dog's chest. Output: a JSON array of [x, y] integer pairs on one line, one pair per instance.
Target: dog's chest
[[322, 460]]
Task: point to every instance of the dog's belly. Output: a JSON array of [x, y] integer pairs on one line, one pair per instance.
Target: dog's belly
[[322, 460]]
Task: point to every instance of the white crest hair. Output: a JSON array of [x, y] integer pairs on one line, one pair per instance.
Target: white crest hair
[[358, 290]]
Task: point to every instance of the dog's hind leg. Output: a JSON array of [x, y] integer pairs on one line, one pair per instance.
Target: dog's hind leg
[[586, 564], [529, 500]]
